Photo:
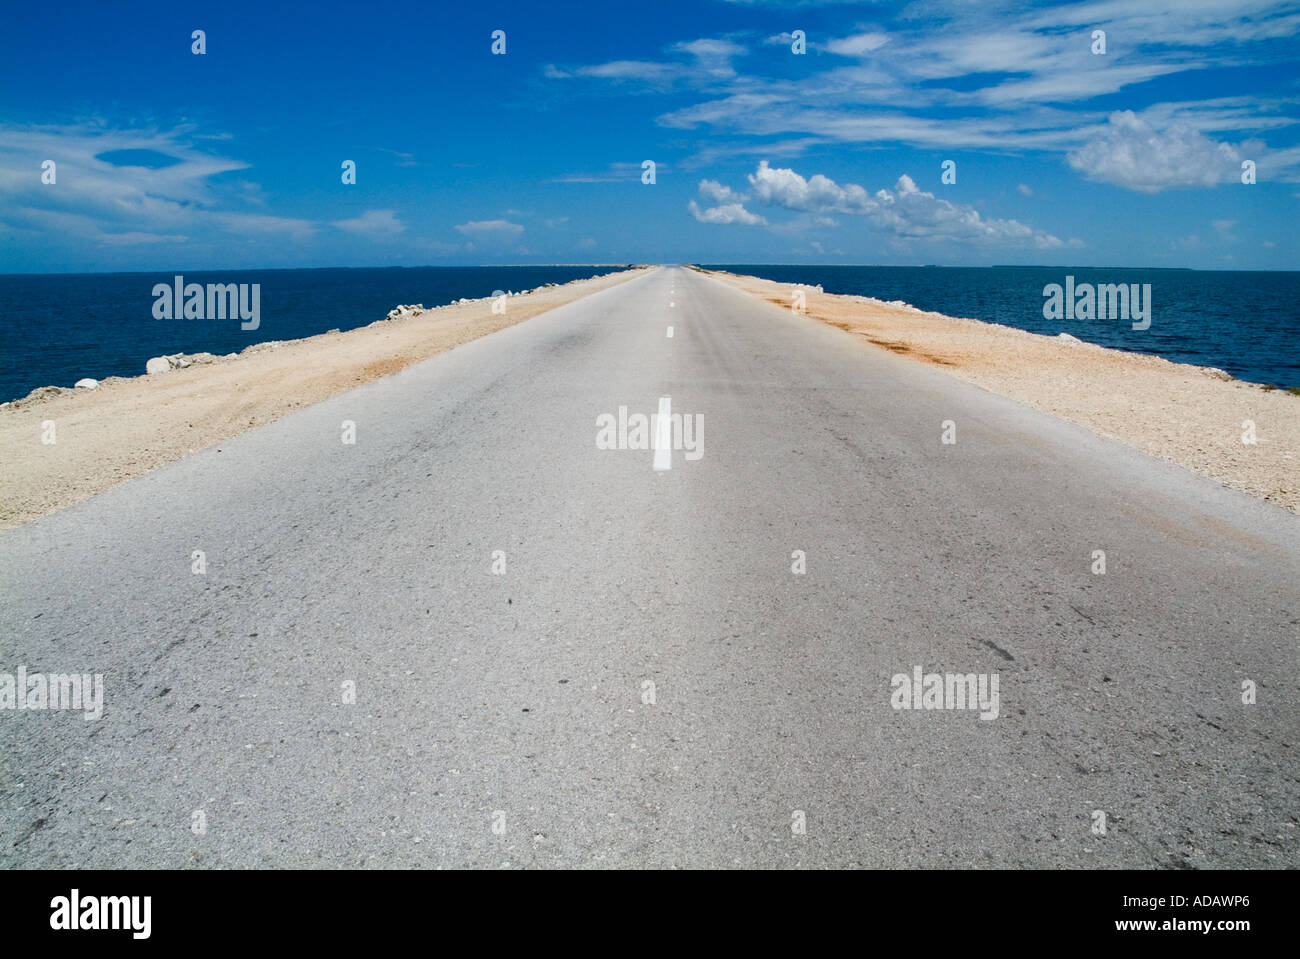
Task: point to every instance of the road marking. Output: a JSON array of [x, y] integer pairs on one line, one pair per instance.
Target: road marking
[[664, 435], [670, 332]]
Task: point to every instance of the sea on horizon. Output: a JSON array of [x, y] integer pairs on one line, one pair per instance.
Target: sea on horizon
[[1245, 323], [59, 328]]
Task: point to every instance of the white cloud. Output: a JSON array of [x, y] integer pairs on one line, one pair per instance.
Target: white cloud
[[403, 159], [375, 223], [1025, 190], [112, 197], [718, 193], [615, 173], [257, 224], [706, 60], [113, 204], [588, 178], [989, 75], [785, 188], [908, 211], [1224, 229], [1131, 153], [858, 44], [488, 229], [709, 49], [644, 70], [136, 238], [725, 214], [905, 211]]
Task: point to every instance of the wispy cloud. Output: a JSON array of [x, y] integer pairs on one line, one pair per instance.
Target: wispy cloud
[[693, 62], [114, 202], [481, 229], [990, 76], [613, 173], [403, 159], [858, 44], [137, 238]]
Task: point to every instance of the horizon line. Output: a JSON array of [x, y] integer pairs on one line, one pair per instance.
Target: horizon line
[[625, 265]]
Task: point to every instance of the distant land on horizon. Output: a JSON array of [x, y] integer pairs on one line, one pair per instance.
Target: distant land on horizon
[[714, 264]]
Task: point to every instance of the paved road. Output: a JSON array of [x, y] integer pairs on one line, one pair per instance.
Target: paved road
[[503, 719]]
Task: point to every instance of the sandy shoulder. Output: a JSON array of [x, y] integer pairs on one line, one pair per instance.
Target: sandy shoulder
[[1190, 415], [131, 425]]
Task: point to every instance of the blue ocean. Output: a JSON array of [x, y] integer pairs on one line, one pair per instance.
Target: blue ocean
[[1245, 323], [58, 328]]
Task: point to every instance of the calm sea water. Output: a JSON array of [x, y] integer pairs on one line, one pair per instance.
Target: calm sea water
[[1245, 323], [57, 328]]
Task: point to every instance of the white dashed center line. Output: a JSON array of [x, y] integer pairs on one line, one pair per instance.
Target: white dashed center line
[[664, 435]]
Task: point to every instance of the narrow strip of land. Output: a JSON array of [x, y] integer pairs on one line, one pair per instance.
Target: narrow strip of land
[[1245, 436], [436, 621], [131, 425]]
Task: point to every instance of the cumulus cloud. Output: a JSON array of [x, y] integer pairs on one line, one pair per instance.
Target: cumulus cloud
[[726, 213], [728, 206], [374, 223], [1131, 153], [718, 193], [904, 211], [785, 188], [910, 212]]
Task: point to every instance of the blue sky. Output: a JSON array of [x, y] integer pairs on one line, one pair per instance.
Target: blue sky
[[168, 160]]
